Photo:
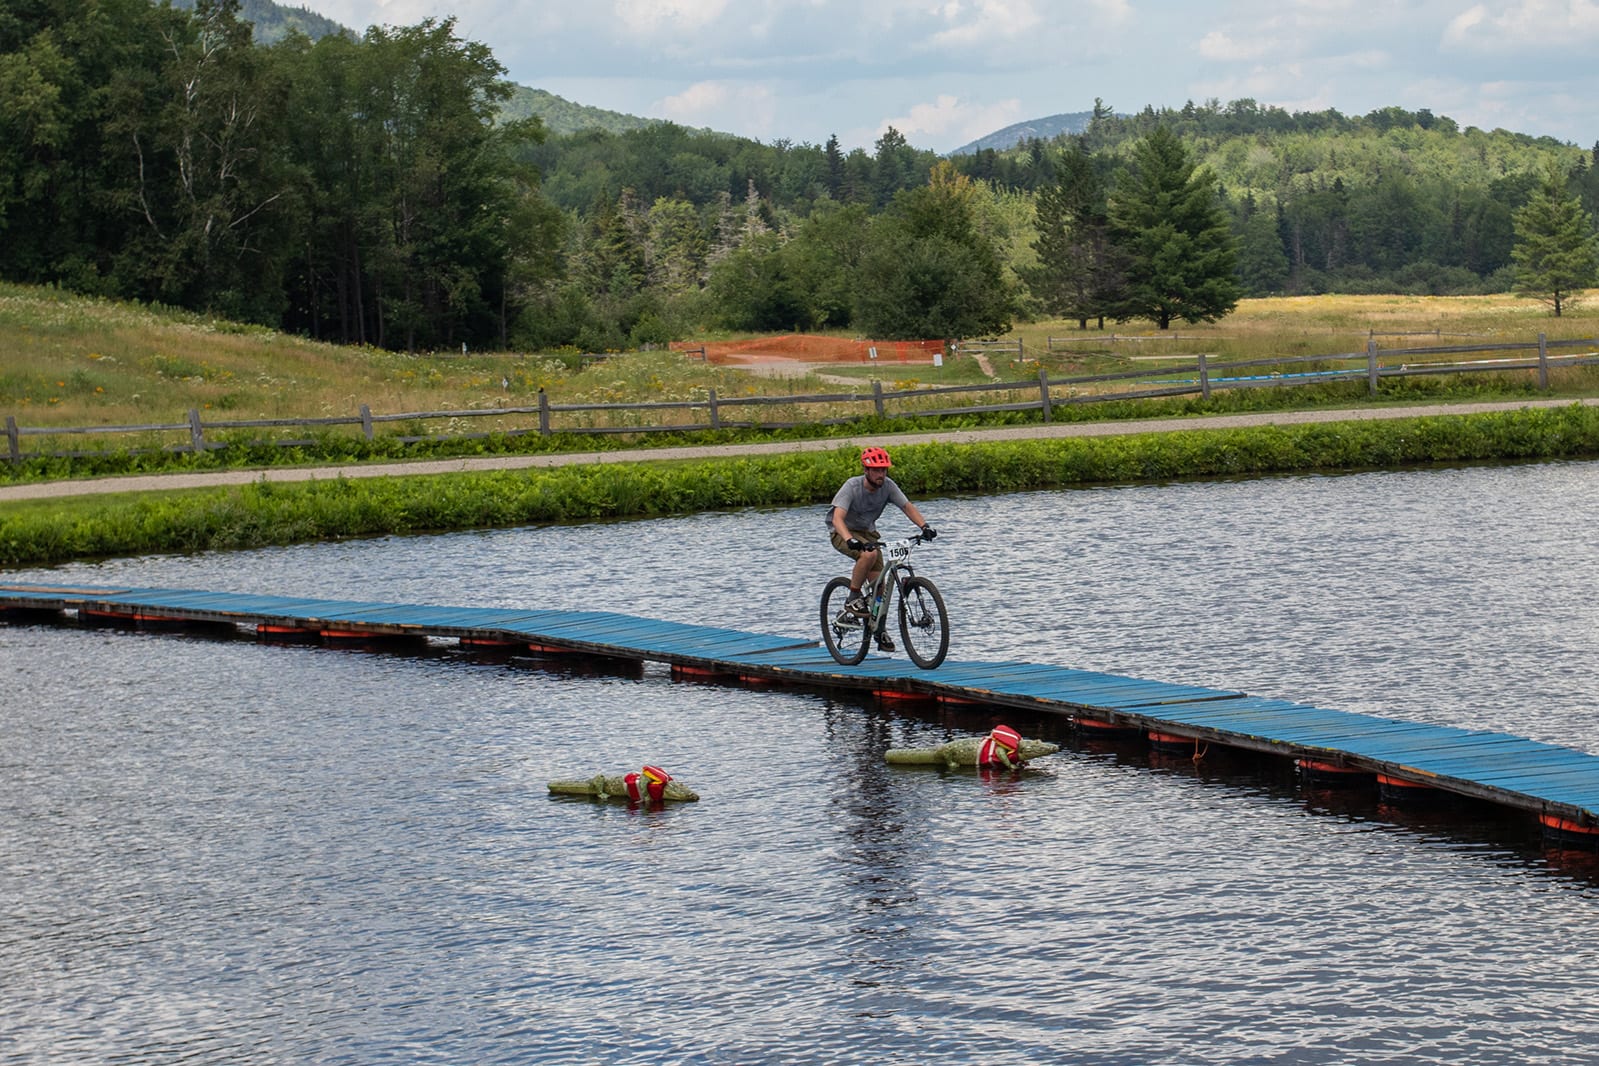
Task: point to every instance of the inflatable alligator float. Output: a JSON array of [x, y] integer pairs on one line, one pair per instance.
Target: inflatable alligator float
[[1003, 748], [649, 785]]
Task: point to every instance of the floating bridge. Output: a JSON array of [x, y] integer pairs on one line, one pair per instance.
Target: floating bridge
[[1406, 759]]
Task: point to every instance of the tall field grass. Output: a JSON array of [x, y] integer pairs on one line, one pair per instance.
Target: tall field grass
[[70, 360], [77, 361]]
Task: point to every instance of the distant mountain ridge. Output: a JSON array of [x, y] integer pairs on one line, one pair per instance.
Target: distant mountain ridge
[[1043, 129], [273, 22], [562, 116]]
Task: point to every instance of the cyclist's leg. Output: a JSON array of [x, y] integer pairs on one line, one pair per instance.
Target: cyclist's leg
[[868, 564]]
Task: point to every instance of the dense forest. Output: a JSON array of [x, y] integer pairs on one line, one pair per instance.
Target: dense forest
[[394, 189]]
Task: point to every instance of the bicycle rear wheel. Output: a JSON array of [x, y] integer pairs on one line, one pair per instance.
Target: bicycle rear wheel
[[847, 638], [923, 622]]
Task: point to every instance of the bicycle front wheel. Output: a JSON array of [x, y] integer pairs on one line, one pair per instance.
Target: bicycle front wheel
[[923, 622], [847, 637]]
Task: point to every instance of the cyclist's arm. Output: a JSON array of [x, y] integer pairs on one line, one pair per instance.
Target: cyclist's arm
[[914, 515], [837, 516]]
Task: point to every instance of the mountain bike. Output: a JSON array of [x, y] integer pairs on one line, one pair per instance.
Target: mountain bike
[[923, 621]]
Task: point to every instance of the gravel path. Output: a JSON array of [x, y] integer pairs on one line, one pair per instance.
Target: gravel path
[[142, 483]]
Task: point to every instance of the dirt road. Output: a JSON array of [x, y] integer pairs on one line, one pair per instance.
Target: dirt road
[[143, 483]]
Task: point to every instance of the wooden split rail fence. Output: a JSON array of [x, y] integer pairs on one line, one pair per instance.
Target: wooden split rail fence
[[1042, 393]]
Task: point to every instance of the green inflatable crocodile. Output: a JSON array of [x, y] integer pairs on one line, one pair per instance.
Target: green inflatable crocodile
[[1003, 748], [648, 785]]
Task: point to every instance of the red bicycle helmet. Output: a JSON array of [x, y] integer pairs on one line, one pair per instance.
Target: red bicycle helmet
[[875, 458]]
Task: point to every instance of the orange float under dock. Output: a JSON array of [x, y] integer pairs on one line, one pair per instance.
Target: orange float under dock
[[1559, 785]]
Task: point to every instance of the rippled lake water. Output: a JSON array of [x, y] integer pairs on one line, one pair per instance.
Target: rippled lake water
[[219, 850]]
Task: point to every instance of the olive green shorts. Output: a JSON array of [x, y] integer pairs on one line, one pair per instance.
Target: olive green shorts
[[853, 553]]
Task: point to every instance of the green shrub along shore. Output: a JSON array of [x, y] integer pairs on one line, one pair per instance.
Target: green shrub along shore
[[45, 532]]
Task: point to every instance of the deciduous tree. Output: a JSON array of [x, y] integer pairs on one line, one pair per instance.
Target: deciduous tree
[[928, 272]]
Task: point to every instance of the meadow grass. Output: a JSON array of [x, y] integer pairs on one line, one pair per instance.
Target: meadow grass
[[72, 361]]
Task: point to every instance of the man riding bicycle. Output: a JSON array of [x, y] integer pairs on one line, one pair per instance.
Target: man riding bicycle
[[852, 522]]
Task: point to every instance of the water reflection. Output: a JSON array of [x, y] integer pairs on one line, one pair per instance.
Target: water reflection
[[217, 848]]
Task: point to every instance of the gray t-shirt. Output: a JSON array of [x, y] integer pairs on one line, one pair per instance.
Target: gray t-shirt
[[862, 505]]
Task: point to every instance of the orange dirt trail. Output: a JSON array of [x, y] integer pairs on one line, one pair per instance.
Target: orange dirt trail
[[809, 348]]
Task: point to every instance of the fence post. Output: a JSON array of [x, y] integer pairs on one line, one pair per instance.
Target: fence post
[[544, 414], [1543, 361], [716, 417], [1204, 377], [877, 397], [1021, 356], [366, 421], [1371, 364], [11, 439], [1043, 392], [196, 434]]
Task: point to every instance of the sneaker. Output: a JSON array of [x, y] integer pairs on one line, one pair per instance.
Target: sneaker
[[883, 643], [858, 606]]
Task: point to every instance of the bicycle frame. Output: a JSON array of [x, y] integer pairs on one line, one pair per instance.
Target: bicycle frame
[[923, 620], [896, 556]]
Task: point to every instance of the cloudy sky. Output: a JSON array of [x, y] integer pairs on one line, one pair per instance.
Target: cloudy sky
[[945, 72]]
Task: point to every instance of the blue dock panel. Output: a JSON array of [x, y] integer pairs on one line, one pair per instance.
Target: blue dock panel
[[1545, 778]]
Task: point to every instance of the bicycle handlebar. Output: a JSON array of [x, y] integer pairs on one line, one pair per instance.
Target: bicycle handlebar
[[873, 545]]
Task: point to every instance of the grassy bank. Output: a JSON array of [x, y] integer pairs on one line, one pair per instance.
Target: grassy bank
[[267, 513]]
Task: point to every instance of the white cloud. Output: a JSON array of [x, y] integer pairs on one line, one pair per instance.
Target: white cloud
[[1116, 12], [1464, 25], [651, 16], [1266, 84], [749, 108], [1220, 46], [1525, 23], [989, 21], [952, 70], [950, 121]]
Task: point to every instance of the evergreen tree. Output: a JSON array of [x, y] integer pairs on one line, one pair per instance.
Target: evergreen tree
[[1556, 252], [1099, 124], [1079, 273], [610, 263], [1262, 263], [835, 168], [1180, 254], [897, 166], [729, 229], [678, 248]]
